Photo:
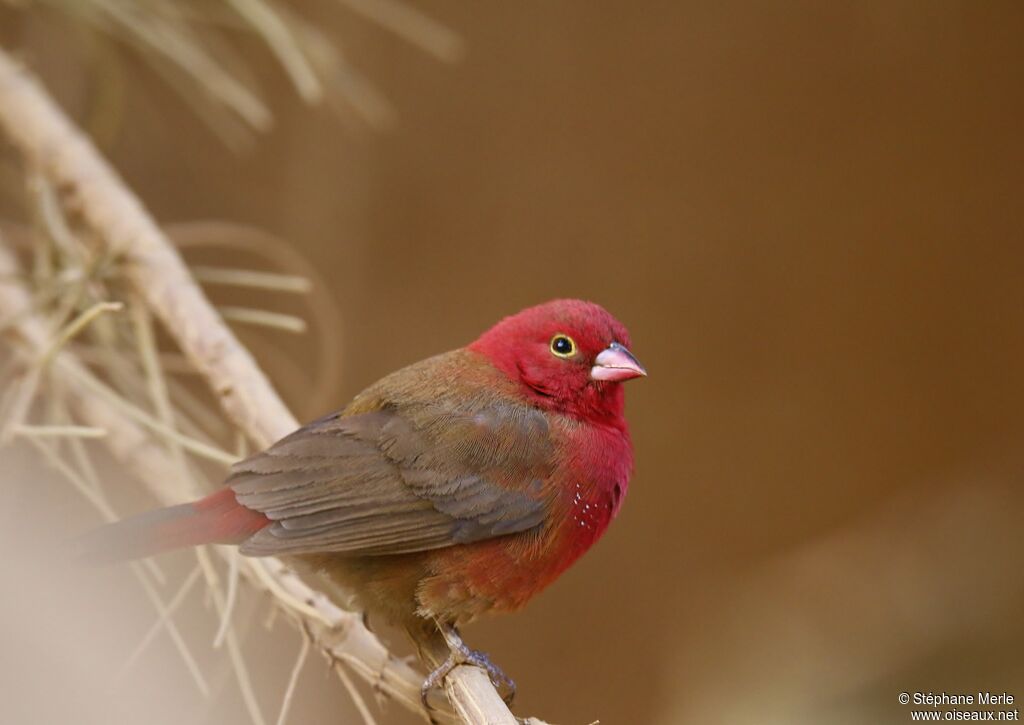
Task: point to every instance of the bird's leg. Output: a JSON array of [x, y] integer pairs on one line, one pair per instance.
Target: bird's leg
[[460, 654]]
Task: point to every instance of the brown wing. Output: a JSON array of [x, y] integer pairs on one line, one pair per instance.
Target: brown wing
[[393, 482]]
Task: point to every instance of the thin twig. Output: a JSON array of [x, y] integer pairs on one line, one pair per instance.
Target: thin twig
[[76, 326], [160, 623], [58, 431], [52, 217], [293, 679], [251, 278], [225, 617], [274, 30], [199, 448], [409, 23], [94, 497], [263, 318], [83, 463], [146, 344], [172, 631], [234, 648], [17, 401], [353, 691]]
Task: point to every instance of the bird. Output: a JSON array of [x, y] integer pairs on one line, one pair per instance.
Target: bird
[[458, 486]]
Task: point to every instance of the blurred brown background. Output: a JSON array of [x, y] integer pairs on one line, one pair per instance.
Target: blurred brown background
[[808, 214]]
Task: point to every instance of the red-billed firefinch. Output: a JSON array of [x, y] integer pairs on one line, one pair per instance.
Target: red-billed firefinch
[[460, 485]]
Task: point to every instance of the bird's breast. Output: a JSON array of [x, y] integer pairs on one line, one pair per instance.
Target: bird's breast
[[584, 493]]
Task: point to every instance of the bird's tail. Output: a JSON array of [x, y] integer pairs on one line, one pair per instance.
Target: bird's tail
[[216, 519]]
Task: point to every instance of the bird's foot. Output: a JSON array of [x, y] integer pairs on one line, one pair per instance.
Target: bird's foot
[[461, 654], [498, 677]]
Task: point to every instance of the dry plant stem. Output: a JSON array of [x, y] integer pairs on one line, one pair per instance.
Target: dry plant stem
[[58, 431], [293, 680], [357, 697], [154, 630], [42, 133], [276, 320], [225, 620], [340, 635], [244, 241], [271, 281]]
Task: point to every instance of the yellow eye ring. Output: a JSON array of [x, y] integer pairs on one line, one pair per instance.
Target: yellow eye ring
[[562, 346]]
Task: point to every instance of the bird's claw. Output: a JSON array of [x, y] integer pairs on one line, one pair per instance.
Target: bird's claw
[[461, 654], [495, 673], [435, 678]]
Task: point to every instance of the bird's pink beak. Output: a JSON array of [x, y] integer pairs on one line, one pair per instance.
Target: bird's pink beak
[[616, 363]]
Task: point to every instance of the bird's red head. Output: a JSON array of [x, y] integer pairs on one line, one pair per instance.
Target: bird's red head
[[569, 355]]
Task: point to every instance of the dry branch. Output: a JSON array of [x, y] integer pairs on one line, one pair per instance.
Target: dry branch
[[63, 155], [338, 633]]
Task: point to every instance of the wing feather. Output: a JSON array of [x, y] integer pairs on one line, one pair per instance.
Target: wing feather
[[396, 480]]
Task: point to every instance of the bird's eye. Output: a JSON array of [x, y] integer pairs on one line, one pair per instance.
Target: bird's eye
[[562, 346]]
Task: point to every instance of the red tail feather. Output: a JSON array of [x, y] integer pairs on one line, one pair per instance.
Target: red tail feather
[[216, 519], [220, 519]]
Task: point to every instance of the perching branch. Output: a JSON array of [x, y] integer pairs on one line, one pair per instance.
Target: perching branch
[[65, 157]]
